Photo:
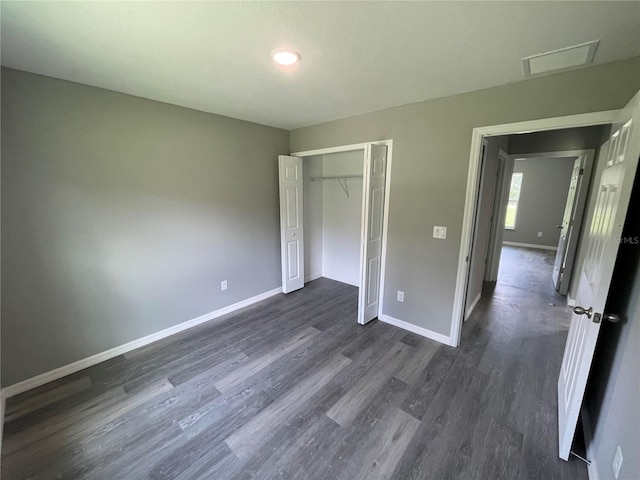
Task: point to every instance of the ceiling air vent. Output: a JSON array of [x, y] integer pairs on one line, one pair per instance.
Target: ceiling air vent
[[562, 59]]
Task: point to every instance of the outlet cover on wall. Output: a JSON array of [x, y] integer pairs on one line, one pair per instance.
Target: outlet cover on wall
[[617, 462], [539, 234], [223, 285], [400, 296], [439, 232]]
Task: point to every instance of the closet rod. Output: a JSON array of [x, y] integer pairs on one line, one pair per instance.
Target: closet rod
[[342, 180], [336, 177]]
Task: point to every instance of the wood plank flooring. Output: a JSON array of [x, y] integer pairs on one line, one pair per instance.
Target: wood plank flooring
[[293, 388]]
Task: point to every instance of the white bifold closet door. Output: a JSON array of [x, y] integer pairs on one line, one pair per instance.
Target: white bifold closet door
[[291, 223], [375, 167]]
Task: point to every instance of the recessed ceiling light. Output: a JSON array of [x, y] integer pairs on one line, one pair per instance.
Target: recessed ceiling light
[[285, 57], [569, 57]]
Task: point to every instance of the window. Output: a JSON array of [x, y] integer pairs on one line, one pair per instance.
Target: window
[[514, 197]]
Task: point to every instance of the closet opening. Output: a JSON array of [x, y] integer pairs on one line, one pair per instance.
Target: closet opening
[[333, 219]]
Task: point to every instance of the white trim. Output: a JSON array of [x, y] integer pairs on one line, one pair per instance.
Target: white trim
[[313, 277], [529, 245], [327, 151], [569, 121], [3, 403], [553, 123], [473, 305], [341, 279], [592, 468], [438, 337], [571, 302], [38, 380]]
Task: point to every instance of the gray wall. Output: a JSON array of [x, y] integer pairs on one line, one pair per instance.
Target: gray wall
[[430, 164], [484, 213], [543, 195], [122, 215], [613, 392]]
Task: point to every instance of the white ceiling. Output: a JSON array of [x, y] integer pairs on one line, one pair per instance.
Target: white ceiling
[[357, 57]]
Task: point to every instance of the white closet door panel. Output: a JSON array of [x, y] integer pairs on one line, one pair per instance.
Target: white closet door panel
[[291, 223], [373, 211]]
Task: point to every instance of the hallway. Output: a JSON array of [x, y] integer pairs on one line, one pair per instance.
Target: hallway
[[526, 322]]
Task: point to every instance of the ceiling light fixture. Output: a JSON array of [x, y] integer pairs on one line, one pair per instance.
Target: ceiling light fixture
[[562, 59], [285, 57]]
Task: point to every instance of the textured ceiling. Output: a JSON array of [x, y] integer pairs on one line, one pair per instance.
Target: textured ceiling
[[357, 57]]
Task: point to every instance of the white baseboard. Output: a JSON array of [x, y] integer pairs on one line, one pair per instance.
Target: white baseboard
[[313, 277], [438, 337], [74, 367], [337, 278], [571, 302], [473, 305], [592, 468], [3, 402], [530, 245]]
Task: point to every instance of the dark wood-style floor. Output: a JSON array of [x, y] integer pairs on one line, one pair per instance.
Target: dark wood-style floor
[[294, 388]]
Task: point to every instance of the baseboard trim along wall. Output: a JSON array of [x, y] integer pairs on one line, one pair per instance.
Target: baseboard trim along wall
[[340, 279], [3, 402], [571, 302], [74, 367], [530, 245], [472, 306], [438, 337], [313, 277]]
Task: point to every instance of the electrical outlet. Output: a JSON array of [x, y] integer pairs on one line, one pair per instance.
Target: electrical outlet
[[440, 232], [223, 285], [539, 234], [400, 296], [617, 462]]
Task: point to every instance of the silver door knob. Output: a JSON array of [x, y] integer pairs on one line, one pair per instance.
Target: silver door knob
[[583, 311], [611, 317], [558, 226]]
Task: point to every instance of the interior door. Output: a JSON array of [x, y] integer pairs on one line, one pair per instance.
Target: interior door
[[612, 193], [291, 223], [375, 167], [567, 223]]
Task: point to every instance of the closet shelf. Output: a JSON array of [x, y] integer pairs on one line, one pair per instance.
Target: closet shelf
[[341, 179]]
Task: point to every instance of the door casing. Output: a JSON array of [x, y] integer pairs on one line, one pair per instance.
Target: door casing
[[554, 123]]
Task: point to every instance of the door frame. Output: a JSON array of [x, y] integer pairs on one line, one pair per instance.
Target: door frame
[[495, 246], [387, 189], [473, 177]]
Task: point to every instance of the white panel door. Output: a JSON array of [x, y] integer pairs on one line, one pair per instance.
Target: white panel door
[[375, 167], [612, 193], [291, 223], [567, 223]]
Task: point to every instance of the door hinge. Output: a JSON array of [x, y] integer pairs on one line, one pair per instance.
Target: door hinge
[[581, 171]]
